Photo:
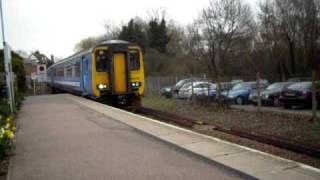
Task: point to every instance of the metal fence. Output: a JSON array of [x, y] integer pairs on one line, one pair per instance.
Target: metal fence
[[154, 84]]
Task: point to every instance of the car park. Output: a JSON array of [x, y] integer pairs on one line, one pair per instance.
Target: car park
[[176, 88], [271, 95], [166, 91], [240, 93], [298, 94], [225, 86], [197, 89]]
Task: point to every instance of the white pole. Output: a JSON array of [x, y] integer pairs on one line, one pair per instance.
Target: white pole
[[6, 61]]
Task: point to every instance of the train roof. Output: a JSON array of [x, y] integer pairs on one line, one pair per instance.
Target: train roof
[[112, 42], [108, 42]]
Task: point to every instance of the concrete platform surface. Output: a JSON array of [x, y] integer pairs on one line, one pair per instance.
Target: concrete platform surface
[[255, 163], [60, 137]]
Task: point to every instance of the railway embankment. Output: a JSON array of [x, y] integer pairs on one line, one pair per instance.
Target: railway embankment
[[294, 128]]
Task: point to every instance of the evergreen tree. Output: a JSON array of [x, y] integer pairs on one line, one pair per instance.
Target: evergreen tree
[[158, 35], [133, 32]]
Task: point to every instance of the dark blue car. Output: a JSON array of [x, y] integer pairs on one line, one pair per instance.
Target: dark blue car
[[241, 92]]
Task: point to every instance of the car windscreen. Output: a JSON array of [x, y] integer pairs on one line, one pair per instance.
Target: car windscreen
[[186, 85], [180, 83], [242, 86], [300, 86], [275, 86], [280, 85]]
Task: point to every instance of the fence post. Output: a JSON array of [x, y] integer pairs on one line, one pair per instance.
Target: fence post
[[34, 87], [192, 92], [258, 92], [314, 95], [208, 87]]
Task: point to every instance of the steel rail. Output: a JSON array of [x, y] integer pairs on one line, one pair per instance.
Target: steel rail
[[277, 141]]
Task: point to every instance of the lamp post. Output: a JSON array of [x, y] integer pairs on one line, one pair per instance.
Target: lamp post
[[7, 64]]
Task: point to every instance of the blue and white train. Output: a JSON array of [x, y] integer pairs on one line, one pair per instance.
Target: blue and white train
[[112, 71]]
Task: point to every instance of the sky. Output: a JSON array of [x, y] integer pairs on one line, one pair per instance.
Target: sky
[[55, 26]]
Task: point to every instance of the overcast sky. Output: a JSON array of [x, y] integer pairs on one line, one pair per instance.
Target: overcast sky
[[55, 26]]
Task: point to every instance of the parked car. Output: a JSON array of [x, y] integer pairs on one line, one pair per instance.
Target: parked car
[[298, 94], [271, 95], [240, 93], [166, 91], [197, 89], [229, 85], [176, 88]]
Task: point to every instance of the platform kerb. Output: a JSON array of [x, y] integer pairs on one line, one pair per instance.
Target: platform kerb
[[247, 160]]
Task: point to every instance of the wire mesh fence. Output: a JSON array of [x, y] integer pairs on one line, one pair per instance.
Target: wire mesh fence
[[154, 84], [257, 90]]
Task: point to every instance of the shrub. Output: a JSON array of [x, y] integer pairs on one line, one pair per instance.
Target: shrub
[[4, 108]]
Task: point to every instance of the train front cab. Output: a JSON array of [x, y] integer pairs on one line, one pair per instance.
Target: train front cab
[[118, 74]]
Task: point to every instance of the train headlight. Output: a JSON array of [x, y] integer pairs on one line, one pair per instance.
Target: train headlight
[[102, 86], [135, 84]]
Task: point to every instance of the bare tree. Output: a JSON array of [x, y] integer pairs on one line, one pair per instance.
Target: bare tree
[[269, 43], [112, 31], [290, 29], [224, 23], [86, 43]]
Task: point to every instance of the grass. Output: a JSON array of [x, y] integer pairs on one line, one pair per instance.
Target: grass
[[159, 102], [294, 127]]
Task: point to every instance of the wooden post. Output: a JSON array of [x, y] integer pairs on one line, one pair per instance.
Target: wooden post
[[258, 92], [192, 92], [34, 87], [314, 95], [218, 93]]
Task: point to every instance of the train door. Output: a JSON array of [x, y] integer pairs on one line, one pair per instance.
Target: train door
[[52, 75], [85, 74], [120, 74]]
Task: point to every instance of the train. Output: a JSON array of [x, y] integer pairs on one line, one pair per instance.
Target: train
[[110, 72]]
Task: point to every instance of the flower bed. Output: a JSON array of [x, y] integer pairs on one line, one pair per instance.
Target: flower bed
[[7, 130]]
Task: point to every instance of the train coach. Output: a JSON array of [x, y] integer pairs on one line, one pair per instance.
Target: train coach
[[111, 72]]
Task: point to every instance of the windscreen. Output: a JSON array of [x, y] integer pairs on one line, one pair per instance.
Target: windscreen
[[300, 86], [102, 59]]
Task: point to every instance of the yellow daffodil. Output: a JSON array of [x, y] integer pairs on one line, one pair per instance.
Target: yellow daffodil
[[14, 129], [9, 134], [7, 126], [1, 133]]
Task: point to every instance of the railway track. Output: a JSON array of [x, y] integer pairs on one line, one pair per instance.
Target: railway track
[[280, 142]]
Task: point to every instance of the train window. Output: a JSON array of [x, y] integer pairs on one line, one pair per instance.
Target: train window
[[102, 59], [60, 72], [134, 60], [69, 71], [77, 69]]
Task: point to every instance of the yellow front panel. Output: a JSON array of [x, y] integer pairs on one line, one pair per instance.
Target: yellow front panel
[[98, 77], [138, 75], [119, 64]]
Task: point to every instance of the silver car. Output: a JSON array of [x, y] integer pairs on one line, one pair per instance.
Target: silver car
[[197, 89]]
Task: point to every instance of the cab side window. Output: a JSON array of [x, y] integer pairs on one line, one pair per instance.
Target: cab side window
[[134, 60]]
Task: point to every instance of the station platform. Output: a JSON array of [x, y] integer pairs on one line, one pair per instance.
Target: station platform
[[68, 137]]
